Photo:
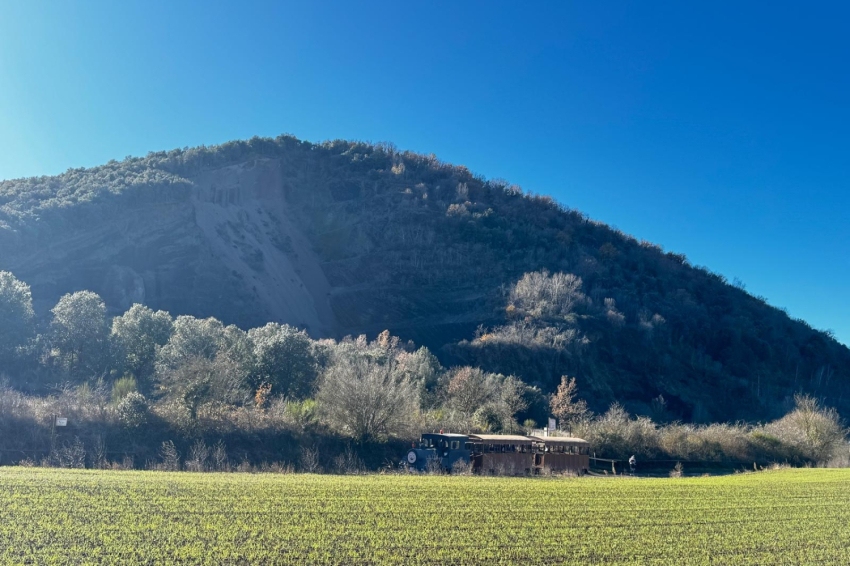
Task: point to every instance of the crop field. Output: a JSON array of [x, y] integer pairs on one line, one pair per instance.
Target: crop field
[[79, 516]]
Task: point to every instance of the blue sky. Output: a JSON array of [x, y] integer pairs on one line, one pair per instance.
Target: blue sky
[[717, 130]]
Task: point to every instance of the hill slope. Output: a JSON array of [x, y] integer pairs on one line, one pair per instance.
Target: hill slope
[[349, 238]]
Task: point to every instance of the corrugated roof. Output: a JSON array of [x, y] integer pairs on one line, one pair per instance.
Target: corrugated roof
[[502, 438], [514, 438], [560, 440], [451, 434]]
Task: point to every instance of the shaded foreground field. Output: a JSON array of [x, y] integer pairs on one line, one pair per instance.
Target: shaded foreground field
[[79, 516]]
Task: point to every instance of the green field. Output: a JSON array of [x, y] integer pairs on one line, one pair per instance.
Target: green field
[[78, 516]]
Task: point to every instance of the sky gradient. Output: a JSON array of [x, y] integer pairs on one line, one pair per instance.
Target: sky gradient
[[719, 131]]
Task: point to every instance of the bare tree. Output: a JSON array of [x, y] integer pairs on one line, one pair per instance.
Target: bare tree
[[817, 431], [564, 404], [539, 294], [198, 457], [310, 459], [468, 389], [170, 457], [367, 399], [488, 400], [220, 460]]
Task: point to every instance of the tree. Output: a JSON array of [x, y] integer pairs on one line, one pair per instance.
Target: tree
[[423, 367], [471, 391], [136, 336], [197, 381], [511, 399], [238, 347], [468, 389], [487, 419], [538, 294], [191, 338], [204, 338], [284, 359], [204, 361], [817, 431], [133, 410], [368, 400], [564, 405], [420, 365], [79, 333], [16, 315]]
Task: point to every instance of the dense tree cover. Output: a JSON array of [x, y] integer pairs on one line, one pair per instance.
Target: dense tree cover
[[432, 251], [185, 367], [154, 375]]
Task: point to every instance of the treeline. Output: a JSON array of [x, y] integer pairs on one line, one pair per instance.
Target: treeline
[[146, 370], [148, 387]]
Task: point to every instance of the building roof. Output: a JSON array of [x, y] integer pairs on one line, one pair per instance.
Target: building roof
[[502, 438], [560, 440], [513, 438]]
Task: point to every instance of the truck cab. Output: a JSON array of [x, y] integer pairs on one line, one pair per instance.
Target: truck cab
[[438, 449]]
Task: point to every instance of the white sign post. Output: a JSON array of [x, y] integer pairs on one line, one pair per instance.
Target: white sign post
[[61, 421], [553, 424]]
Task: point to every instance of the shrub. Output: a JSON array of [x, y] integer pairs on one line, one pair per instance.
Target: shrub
[[487, 419], [617, 435], [170, 457], [816, 431], [677, 471], [133, 410], [123, 387], [310, 459], [198, 459], [368, 400]]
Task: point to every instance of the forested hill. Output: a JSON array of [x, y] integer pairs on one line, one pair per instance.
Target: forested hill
[[348, 238]]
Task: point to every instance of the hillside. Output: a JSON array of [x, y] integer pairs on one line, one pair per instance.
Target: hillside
[[349, 238]]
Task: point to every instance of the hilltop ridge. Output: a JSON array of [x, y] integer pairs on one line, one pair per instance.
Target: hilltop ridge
[[348, 238]]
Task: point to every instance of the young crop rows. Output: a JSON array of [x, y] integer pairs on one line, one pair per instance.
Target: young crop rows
[[74, 517]]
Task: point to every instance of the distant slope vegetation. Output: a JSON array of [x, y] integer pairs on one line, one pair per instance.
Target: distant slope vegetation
[[348, 238]]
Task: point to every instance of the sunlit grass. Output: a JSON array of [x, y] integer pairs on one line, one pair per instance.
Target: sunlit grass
[[72, 517]]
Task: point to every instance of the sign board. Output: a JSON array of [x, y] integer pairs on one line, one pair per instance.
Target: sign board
[[553, 425], [61, 421]]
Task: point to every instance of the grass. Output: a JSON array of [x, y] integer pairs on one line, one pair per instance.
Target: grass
[[79, 516]]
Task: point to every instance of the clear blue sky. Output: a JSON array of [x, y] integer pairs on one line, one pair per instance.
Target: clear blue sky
[[719, 130]]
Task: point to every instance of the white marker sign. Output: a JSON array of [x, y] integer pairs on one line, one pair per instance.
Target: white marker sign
[[61, 421]]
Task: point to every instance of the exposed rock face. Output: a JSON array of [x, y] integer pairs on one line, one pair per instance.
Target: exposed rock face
[[227, 248], [332, 246], [123, 287]]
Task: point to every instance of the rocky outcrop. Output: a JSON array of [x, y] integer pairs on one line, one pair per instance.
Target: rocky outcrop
[[227, 248]]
